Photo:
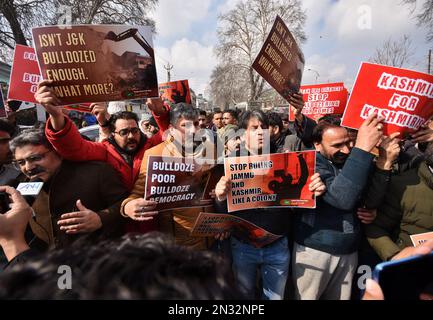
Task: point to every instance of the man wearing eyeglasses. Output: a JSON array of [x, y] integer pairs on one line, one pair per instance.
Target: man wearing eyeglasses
[[123, 150], [76, 199]]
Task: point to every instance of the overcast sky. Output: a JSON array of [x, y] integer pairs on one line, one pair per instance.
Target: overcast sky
[[335, 47]]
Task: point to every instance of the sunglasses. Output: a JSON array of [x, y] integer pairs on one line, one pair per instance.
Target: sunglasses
[[30, 159], [125, 132]]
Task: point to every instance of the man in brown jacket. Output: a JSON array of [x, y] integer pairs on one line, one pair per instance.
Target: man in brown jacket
[[76, 198], [183, 128]]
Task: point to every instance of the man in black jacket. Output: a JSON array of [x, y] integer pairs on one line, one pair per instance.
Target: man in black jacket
[[326, 238], [274, 258], [76, 198]]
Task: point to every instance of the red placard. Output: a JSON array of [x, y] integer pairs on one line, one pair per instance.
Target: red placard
[[272, 180], [175, 91], [82, 107], [211, 224], [403, 97], [322, 99], [25, 75]]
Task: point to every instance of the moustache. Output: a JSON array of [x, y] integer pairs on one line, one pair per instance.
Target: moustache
[[339, 157], [35, 171], [132, 141]]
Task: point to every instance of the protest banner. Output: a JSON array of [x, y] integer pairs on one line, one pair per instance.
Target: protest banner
[[211, 224], [404, 98], [176, 182], [3, 113], [175, 91], [82, 107], [25, 75], [273, 180], [95, 63], [419, 239], [280, 61], [322, 99]]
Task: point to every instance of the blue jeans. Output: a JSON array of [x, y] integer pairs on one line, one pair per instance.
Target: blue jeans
[[273, 261]]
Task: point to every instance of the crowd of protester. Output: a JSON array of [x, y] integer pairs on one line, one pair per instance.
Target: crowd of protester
[[372, 191]]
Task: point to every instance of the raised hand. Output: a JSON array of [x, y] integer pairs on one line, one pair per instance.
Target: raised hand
[[370, 133]]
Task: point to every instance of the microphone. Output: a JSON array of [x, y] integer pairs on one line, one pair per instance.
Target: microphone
[[30, 190]]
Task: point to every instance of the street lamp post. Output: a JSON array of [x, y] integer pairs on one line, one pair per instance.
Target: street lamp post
[[317, 73]]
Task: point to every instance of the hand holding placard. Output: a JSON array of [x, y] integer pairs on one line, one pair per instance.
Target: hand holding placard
[[370, 133], [141, 210], [424, 134], [46, 96], [223, 188], [297, 102], [316, 185], [389, 149]]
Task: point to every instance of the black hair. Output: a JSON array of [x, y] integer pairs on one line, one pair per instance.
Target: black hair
[[33, 136], [245, 117], [142, 266], [275, 120], [232, 112], [320, 129], [124, 115], [330, 118], [182, 110], [7, 127]]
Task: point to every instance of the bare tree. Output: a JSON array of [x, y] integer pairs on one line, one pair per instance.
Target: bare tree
[[225, 89], [394, 53], [243, 31], [110, 11], [425, 18], [18, 17]]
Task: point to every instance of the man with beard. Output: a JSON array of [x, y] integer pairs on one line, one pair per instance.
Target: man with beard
[[406, 208], [276, 133], [326, 238], [123, 150], [182, 142], [273, 260], [203, 119], [76, 198]]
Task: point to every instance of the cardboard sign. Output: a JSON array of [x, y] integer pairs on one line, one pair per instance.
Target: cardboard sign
[[322, 99], [419, 239], [176, 182], [3, 113], [211, 224], [25, 75], [95, 63], [273, 180], [280, 61], [403, 97], [175, 92]]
